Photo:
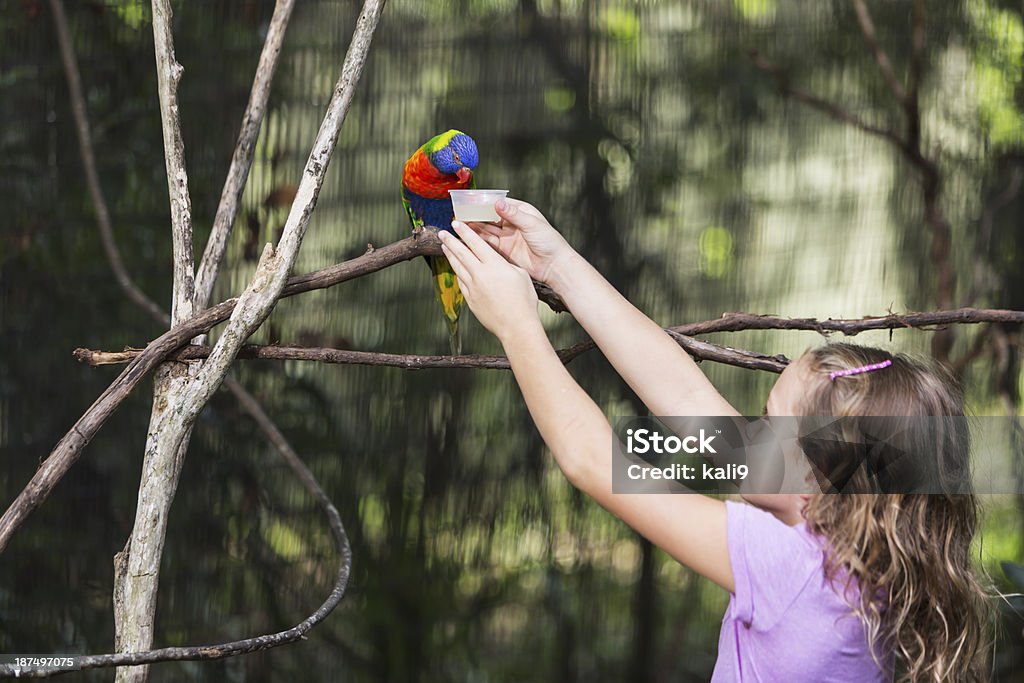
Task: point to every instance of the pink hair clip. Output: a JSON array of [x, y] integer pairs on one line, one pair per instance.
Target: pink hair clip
[[862, 369]]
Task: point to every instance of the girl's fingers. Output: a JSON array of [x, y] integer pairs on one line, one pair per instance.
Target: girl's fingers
[[455, 246], [490, 238], [455, 252], [488, 229], [476, 244]]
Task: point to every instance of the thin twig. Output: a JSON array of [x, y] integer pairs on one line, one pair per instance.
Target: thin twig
[[729, 322], [735, 322], [700, 350]]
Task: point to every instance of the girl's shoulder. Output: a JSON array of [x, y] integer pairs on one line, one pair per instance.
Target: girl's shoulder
[[774, 565]]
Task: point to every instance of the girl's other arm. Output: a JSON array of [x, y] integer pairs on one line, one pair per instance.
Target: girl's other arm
[[661, 373]]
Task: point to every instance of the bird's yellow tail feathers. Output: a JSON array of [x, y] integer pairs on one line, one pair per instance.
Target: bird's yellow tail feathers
[[446, 287]]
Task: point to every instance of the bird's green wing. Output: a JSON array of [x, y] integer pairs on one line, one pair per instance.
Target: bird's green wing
[[416, 221]]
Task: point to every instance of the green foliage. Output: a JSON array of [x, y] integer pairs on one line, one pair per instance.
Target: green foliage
[[999, 64], [756, 10], [716, 251], [135, 15], [620, 24]]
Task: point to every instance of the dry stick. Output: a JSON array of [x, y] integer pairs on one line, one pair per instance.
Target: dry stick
[[137, 566], [134, 293], [701, 350], [729, 322], [241, 160]]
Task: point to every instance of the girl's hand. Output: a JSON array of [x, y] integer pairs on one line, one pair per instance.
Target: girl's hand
[[525, 238], [499, 293]]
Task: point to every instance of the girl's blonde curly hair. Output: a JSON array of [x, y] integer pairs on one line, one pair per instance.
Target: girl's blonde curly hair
[[908, 554]]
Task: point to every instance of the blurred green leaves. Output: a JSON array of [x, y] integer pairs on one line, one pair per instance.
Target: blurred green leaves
[[999, 59], [716, 251]]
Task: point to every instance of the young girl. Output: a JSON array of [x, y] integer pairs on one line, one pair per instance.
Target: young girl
[[824, 587]]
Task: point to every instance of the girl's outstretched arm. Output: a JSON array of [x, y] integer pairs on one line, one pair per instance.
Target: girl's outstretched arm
[[689, 527], [661, 373]]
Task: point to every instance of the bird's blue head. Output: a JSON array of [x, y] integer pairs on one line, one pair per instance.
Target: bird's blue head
[[455, 154]]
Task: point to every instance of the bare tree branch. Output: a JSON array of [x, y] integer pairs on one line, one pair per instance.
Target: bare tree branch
[[729, 322], [423, 242], [168, 72], [701, 350], [241, 160], [137, 566], [734, 322]]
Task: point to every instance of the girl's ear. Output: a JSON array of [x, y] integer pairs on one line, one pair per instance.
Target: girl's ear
[[805, 498]]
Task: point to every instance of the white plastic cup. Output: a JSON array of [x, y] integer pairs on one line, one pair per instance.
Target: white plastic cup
[[476, 205]]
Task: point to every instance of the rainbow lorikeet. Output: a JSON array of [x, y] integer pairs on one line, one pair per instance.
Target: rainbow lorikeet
[[444, 162]]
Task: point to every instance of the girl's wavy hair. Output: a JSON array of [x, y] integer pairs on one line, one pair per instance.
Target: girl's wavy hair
[[911, 550]]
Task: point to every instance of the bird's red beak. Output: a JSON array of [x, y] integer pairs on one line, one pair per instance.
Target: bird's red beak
[[464, 175]]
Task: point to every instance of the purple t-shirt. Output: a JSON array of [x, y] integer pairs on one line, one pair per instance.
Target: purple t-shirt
[[785, 622]]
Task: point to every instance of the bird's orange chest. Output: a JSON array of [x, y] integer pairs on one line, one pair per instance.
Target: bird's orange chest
[[421, 178]]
